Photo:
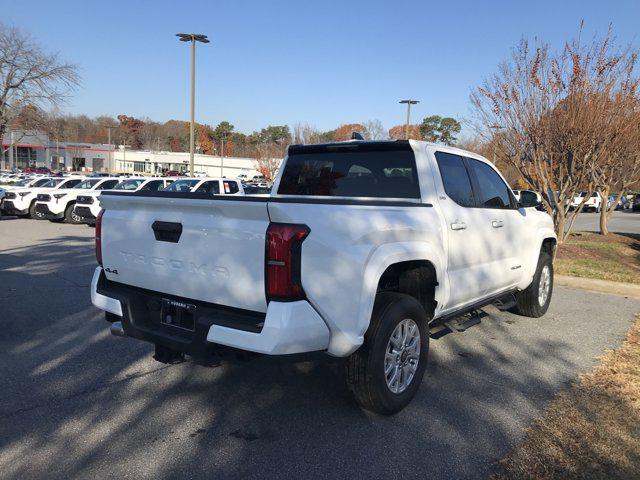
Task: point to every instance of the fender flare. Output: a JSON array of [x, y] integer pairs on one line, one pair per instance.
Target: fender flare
[[391, 253]]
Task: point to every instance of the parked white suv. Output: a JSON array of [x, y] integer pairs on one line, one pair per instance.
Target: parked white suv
[[58, 206], [22, 201], [360, 251], [88, 205]]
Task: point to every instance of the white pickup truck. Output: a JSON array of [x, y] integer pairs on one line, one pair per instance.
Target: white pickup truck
[[361, 250]]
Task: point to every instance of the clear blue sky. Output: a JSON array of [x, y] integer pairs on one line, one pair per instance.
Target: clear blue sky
[[282, 62]]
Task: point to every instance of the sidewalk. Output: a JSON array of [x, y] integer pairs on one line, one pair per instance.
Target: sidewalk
[[602, 286]]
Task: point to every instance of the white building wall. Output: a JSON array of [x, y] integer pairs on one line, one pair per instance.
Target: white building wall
[[155, 162]]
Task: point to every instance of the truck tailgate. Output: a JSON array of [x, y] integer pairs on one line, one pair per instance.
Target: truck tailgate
[[217, 257]]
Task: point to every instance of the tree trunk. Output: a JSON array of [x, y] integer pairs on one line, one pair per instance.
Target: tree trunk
[[559, 224], [603, 212]]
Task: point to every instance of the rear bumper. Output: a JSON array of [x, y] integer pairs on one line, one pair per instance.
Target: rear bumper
[[44, 210], [286, 328]]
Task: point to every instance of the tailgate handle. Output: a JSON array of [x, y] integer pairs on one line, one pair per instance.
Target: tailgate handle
[[167, 231]]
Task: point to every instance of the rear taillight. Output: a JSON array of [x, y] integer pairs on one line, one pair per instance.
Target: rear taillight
[[99, 237], [283, 261]]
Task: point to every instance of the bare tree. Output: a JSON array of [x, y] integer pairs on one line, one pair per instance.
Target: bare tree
[[303, 133], [30, 79], [543, 111], [374, 130]]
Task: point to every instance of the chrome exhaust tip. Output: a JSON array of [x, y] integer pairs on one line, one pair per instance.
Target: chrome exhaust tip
[[117, 330]]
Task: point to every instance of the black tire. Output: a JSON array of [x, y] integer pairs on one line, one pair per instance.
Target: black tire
[[365, 370], [528, 300], [70, 216], [32, 212]]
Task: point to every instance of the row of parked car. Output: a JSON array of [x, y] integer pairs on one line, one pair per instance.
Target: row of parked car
[[594, 202], [76, 199]]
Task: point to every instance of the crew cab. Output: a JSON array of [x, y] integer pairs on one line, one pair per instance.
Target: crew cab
[[58, 206], [22, 201], [88, 206], [360, 251], [207, 185]]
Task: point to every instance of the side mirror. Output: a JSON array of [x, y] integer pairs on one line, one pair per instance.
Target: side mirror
[[529, 201]]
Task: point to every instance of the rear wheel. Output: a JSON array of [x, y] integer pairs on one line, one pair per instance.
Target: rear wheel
[[386, 372], [534, 300]]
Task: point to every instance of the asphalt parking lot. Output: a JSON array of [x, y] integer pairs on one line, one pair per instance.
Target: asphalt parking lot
[[621, 221], [76, 402]]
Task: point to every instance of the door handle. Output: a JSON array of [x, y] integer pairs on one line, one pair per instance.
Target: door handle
[[497, 224], [458, 226]]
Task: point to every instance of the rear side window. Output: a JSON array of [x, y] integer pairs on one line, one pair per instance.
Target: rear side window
[[181, 186], [154, 185], [212, 188], [455, 179], [356, 172], [493, 192], [230, 187]]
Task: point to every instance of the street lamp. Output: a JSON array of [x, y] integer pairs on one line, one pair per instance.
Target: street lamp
[[109, 160], [406, 127], [193, 38]]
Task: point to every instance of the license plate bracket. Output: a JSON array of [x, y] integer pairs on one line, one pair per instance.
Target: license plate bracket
[[178, 314]]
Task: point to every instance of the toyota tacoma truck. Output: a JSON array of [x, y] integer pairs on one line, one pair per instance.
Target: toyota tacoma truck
[[361, 250]]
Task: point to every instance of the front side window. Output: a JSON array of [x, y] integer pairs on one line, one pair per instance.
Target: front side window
[[212, 188], [375, 171], [181, 186], [493, 192], [455, 179]]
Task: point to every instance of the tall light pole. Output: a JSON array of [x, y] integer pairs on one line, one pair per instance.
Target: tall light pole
[[109, 127], [406, 127], [193, 38]]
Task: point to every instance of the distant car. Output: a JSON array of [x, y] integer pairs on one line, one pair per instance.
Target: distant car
[[59, 206], [212, 186], [636, 203], [172, 173], [621, 203], [88, 204], [592, 204]]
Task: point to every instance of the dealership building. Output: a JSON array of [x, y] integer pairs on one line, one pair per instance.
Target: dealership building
[[35, 149]]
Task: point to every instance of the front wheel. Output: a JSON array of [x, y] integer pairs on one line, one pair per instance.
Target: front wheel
[[386, 372], [70, 216], [534, 300]]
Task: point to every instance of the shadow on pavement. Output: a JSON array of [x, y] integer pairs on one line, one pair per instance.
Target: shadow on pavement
[[78, 403]]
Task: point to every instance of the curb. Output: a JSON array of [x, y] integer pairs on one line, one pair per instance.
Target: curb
[[601, 286]]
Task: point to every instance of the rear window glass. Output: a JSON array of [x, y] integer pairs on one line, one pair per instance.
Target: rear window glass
[[383, 173]]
